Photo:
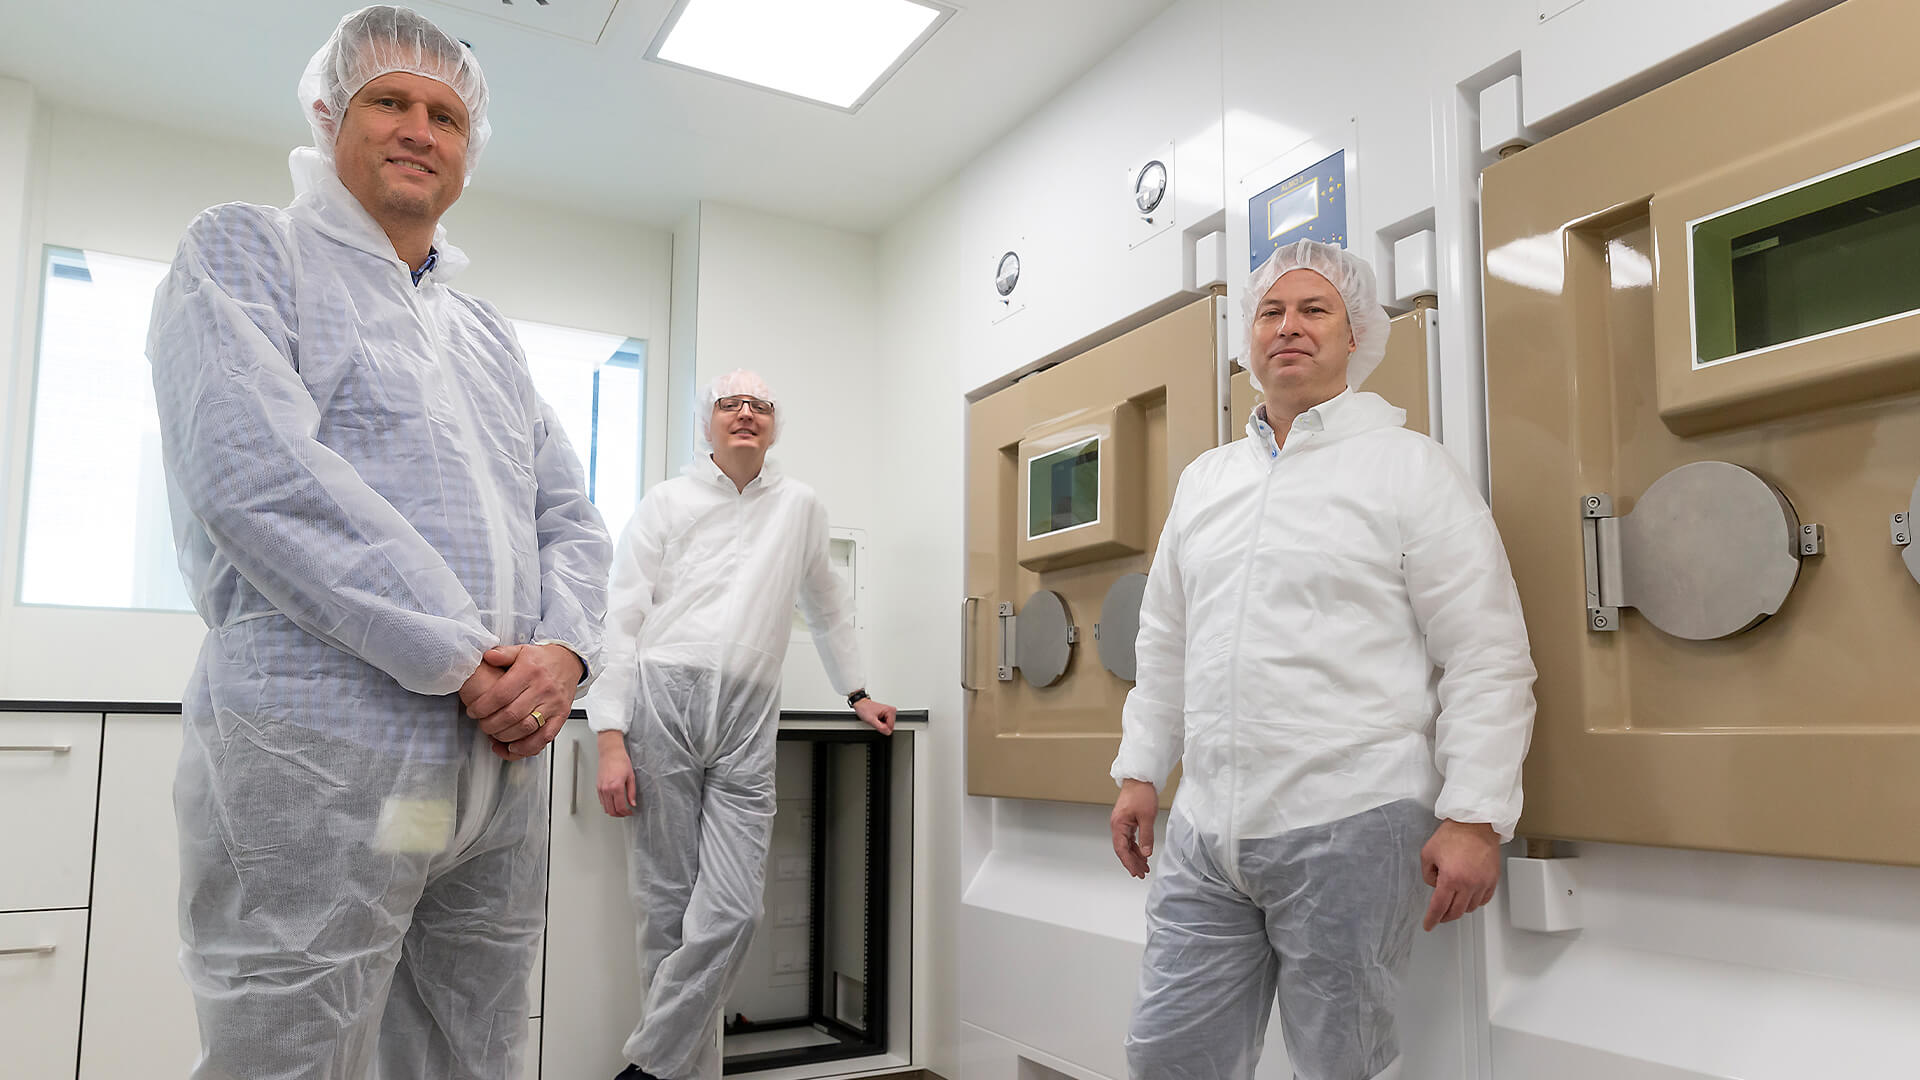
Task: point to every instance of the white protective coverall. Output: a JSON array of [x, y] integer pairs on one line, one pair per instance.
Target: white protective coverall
[[1331, 642], [705, 579], [367, 494]]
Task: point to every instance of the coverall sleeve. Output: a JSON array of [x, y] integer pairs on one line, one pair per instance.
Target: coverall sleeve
[[294, 518], [574, 550], [828, 608], [1153, 720], [1466, 604], [637, 562]]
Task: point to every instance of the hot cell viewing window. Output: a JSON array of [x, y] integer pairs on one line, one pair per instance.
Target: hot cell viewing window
[[1839, 251], [1063, 489]]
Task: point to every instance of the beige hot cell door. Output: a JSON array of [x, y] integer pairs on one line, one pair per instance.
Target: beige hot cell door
[[1704, 306], [1069, 473]]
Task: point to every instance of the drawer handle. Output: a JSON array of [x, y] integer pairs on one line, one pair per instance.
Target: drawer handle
[[28, 950], [573, 782], [54, 749]]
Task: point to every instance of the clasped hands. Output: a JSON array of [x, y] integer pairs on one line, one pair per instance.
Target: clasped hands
[[520, 695]]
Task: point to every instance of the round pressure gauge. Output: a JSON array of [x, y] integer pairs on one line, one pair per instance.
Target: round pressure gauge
[[1150, 186], [1008, 274]]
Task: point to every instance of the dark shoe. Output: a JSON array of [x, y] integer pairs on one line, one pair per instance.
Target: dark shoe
[[739, 1025], [635, 1072]]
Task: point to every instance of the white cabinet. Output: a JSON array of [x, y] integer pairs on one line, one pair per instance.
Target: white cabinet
[[43, 955], [49, 769], [593, 998], [125, 939], [48, 766], [140, 1018]]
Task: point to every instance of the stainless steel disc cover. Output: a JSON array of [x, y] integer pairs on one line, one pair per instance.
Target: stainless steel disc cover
[[1120, 625], [1043, 644]]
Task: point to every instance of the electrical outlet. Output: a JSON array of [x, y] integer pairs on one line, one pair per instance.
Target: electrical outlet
[[789, 961], [790, 915], [790, 867]]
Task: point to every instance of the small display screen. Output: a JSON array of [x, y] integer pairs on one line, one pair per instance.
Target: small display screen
[[1063, 489], [1294, 209]]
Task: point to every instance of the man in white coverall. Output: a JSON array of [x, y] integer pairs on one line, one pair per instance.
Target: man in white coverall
[[1331, 643], [391, 544], [705, 579]]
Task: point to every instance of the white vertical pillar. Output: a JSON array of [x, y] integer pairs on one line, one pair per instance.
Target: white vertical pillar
[[16, 152]]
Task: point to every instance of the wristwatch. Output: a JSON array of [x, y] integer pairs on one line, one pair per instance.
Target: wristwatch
[[857, 697]]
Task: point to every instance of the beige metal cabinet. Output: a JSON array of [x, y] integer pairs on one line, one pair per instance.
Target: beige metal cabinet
[[1719, 271], [1142, 406]]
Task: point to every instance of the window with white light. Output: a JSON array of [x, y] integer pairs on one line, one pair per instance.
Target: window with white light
[[597, 384], [97, 533], [836, 52]]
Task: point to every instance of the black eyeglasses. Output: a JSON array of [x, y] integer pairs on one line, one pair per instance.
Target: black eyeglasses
[[735, 404]]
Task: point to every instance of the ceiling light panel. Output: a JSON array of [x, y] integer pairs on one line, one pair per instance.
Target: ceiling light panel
[[837, 52], [581, 20]]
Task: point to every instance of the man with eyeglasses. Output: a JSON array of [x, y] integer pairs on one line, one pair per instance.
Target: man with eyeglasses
[[705, 578]]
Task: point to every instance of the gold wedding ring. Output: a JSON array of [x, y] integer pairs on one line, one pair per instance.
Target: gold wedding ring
[[535, 714]]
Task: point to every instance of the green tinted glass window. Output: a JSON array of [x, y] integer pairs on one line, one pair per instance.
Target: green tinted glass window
[[1838, 252], [1063, 488]]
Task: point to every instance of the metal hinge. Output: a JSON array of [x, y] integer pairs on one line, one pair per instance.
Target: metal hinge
[[1900, 527], [1600, 543]]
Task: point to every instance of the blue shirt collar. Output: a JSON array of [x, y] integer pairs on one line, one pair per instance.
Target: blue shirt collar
[[1314, 419], [433, 256]]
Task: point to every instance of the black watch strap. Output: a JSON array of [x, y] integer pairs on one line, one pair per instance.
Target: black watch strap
[[857, 697]]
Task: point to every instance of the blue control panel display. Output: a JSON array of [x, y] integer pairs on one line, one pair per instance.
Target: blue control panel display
[[1309, 205]]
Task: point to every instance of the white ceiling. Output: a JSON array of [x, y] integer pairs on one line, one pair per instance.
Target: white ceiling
[[591, 125]]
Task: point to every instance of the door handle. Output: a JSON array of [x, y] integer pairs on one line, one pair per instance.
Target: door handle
[[967, 608]]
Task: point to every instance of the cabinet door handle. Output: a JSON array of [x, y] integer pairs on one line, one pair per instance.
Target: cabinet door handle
[[573, 782], [63, 748], [28, 950]]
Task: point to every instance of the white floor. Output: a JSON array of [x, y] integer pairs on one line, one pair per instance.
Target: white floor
[[760, 1042]]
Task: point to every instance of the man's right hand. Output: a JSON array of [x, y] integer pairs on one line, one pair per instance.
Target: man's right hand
[[619, 794], [1132, 821], [501, 730]]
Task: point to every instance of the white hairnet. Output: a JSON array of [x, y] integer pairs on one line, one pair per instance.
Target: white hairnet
[[728, 385], [375, 41], [1351, 276]]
